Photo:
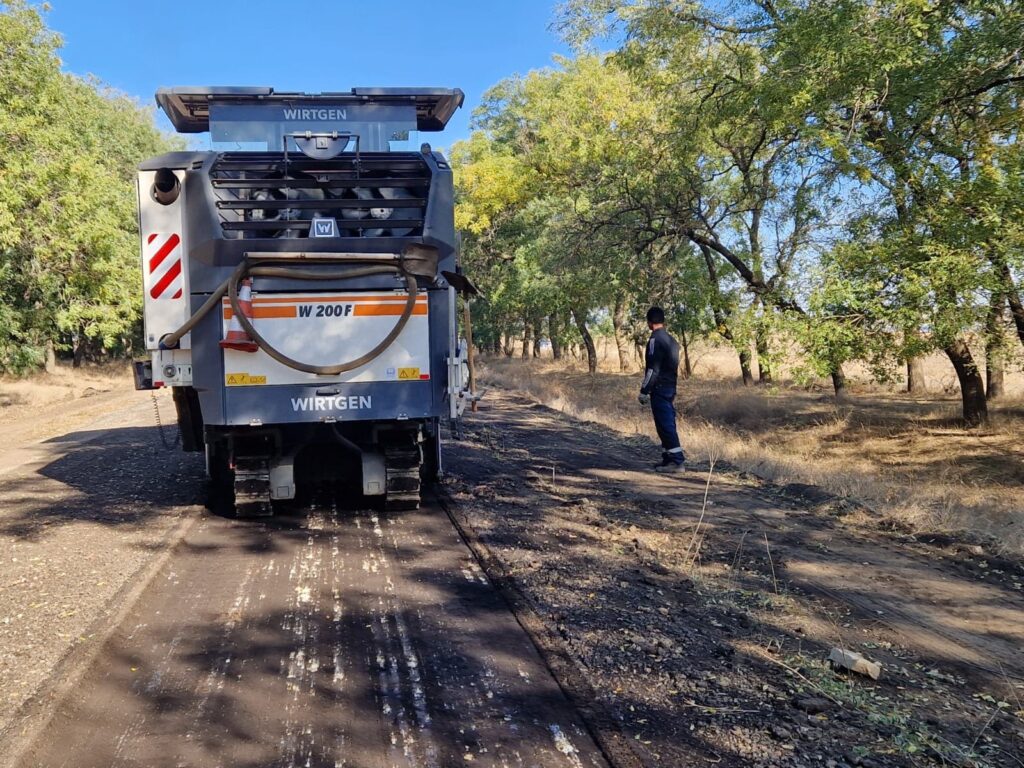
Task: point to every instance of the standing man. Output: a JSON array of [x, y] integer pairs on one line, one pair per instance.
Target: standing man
[[661, 361]]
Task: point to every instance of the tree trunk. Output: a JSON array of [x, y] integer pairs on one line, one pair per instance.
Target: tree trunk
[[509, 347], [467, 322], [1013, 298], [916, 384], [995, 348], [1017, 310], [839, 383], [527, 338], [995, 372], [717, 310], [687, 367], [555, 333], [51, 358], [745, 368], [764, 366], [580, 317], [79, 349], [618, 331], [972, 388]]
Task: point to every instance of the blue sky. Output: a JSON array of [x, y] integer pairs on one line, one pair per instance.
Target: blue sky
[[139, 45]]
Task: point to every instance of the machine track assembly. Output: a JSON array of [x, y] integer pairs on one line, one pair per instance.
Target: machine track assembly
[[252, 488], [402, 468]]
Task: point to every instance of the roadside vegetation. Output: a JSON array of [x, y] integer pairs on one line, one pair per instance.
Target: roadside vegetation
[[69, 274], [827, 185], [706, 612], [907, 459], [22, 396]]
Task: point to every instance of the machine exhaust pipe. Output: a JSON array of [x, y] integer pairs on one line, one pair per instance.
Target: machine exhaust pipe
[[166, 186]]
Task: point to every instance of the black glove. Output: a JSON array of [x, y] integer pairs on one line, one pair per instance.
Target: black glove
[[643, 399]]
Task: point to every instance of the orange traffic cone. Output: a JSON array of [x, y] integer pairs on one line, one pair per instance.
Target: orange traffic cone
[[237, 338]]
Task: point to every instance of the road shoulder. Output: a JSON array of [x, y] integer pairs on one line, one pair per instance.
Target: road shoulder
[[705, 628], [87, 515]]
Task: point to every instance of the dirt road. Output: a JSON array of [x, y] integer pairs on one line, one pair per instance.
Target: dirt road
[[89, 497], [702, 609], [328, 638], [343, 637]]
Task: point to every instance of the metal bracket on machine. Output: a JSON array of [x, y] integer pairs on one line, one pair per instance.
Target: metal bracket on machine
[[322, 146], [374, 474], [461, 283]]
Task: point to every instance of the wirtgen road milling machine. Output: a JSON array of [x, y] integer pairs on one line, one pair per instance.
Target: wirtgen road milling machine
[[300, 289]]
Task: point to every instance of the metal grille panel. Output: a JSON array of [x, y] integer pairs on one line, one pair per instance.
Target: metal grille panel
[[273, 195]]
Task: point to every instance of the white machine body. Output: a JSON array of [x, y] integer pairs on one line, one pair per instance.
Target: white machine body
[[164, 254], [323, 328]]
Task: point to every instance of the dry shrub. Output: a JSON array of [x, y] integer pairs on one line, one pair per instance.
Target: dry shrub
[[23, 395], [743, 408]]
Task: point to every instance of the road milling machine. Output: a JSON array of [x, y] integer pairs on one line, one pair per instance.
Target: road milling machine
[[301, 281]]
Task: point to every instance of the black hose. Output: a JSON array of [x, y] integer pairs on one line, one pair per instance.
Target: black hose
[[245, 269], [170, 340]]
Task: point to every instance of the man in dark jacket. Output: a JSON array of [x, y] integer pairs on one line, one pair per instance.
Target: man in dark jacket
[[661, 361]]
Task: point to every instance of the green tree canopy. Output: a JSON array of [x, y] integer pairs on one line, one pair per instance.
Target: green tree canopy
[[845, 174], [69, 274]]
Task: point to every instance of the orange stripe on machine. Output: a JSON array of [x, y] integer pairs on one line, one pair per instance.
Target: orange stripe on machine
[[289, 308], [265, 312], [367, 310]]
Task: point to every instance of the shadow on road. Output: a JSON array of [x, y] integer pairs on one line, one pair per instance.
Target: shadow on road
[[114, 477]]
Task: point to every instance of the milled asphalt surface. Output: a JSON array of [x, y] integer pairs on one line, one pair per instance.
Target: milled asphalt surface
[[323, 638]]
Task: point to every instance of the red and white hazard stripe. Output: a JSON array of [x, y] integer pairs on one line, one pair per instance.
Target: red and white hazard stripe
[[163, 266]]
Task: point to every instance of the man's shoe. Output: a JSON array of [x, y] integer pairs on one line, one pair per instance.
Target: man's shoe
[[670, 468]]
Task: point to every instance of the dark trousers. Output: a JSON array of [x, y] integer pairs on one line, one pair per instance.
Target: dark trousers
[[664, 413]]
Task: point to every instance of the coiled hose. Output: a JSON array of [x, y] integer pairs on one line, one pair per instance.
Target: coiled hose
[[246, 269]]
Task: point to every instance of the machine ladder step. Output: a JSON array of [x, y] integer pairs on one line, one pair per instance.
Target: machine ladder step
[[252, 488], [402, 468]]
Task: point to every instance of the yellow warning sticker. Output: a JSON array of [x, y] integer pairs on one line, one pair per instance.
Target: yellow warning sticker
[[243, 380], [408, 373]]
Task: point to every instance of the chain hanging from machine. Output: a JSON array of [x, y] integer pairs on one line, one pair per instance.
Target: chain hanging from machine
[[169, 445]]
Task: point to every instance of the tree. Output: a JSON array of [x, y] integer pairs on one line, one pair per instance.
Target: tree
[[846, 175], [732, 172], [911, 111], [68, 239], [921, 104], [524, 183]]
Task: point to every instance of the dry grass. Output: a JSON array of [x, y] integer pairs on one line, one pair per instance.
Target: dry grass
[[906, 458], [20, 397]]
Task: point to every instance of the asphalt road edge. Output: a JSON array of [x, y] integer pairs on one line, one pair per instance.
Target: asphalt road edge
[[602, 726], [33, 716]]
